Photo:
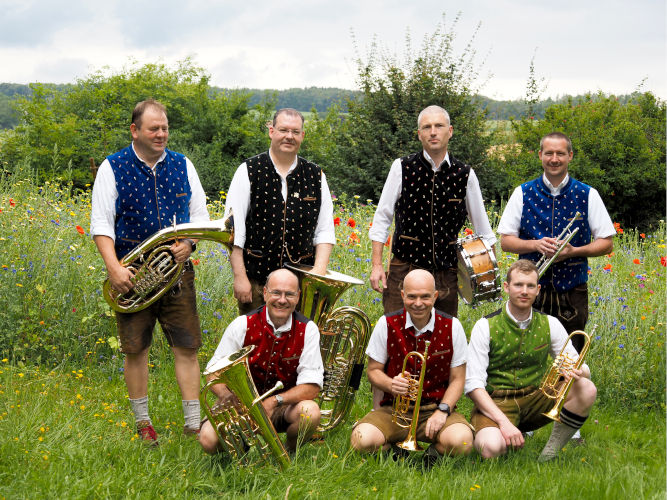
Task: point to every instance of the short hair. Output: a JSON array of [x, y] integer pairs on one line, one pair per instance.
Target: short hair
[[298, 282], [288, 112], [430, 109], [142, 106], [523, 266], [557, 135]]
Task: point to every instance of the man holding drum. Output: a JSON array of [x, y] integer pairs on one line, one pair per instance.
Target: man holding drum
[[287, 350], [430, 193], [535, 215], [282, 211]]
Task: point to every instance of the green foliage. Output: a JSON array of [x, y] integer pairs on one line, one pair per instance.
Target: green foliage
[[382, 123]]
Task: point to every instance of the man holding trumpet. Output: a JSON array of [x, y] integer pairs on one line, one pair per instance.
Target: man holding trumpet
[[398, 334], [507, 359]]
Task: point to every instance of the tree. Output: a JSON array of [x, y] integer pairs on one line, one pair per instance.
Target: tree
[[382, 121]]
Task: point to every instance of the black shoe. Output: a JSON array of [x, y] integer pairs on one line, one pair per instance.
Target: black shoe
[[431, 456], [399, 453]]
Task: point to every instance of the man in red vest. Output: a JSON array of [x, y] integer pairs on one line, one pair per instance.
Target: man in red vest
[[287, 350], [395, 335]]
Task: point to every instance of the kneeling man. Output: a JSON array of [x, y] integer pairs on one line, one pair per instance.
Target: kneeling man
[[287, 349], [507, 358], [395, 335]]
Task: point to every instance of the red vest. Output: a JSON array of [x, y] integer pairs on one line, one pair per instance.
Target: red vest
[[274, 358], [401, 341]]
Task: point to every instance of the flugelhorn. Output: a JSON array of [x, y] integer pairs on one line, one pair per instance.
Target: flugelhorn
[[243, 424], [544, 262], [344, 335], [414, 395], [155, 270], [553, 386]]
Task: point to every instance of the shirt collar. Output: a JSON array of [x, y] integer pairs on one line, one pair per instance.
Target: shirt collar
[[428, 328], [524, 324], [555, 190], [162, 157], [292, 166], [432, 163], [281, 329]]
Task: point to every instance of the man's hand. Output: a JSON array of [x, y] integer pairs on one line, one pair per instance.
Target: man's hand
[[399, 385], [546, 246], [434, 423], [181, 250], [511, 434], [378, 276], [269, 405], [121, 278], [242, 289]]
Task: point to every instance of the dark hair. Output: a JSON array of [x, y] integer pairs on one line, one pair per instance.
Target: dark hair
[[557, 135], [288, 112], [141, 107], [522, 265]]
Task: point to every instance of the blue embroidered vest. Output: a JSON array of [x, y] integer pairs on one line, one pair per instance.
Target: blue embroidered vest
[[147, 201], [546, 216]]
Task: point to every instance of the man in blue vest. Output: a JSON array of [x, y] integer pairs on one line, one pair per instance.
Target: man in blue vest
[[139, 191], [536, 214]]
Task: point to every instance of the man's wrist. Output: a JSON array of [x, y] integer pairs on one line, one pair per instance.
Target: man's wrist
[[279, 400], [193, 245]]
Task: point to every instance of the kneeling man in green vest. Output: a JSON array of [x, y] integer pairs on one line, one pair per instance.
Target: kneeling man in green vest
[[508, 356]]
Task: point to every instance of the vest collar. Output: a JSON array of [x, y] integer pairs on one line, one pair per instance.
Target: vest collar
[[555, 190], [278, 332], [291, 168], [523, 325], [435, 167], [428, 328], [162, 157]]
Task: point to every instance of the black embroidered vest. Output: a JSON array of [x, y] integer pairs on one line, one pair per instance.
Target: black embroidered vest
[[430, 212], [278, 231]]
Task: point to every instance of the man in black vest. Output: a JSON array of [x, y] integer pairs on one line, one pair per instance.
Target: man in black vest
[[430, 193], [282, 211]]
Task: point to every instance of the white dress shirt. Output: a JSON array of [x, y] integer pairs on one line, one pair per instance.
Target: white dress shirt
[[310, 369], [377, 345], [238, 200], [103, 212]]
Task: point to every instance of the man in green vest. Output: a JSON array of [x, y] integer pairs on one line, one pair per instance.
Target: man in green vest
[[508, 356]]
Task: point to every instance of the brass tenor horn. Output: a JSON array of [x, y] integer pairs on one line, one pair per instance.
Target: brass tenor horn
[[155, 270], [553, 386], [544, 262], [344, 335], [243, 424], [414, 395]]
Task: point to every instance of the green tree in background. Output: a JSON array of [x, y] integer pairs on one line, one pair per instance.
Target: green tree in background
[[382, 122]]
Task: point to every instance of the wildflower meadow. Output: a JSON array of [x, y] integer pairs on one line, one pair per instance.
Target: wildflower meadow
[[67, 427]]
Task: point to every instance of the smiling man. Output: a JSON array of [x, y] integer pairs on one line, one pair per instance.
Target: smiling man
[[287, 350], [137, 192], [430, 193], [282, 211], [508, 355]]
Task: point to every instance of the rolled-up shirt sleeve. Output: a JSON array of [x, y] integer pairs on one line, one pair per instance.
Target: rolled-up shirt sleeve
[[384, 212], [377, 344], [197, 206], [476, 211], [103, 211], [558, 338], [325, 231], [510, 222], [232, 340], [311, 369], [478, 357], [238, 203], [459, 344]]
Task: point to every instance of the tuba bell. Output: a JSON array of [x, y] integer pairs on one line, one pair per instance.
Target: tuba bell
[[242, 425], [344, 335], [155, 270], [399, 414], [553, 386]]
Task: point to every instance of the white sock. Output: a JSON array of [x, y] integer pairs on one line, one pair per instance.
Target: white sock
[[140, 409], [191, 413]]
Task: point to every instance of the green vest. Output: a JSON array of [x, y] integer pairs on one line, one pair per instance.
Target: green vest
[[517, 358]]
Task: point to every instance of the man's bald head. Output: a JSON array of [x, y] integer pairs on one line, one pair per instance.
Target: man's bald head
[[418, 278]]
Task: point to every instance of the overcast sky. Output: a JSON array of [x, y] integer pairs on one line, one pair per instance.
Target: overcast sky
[[579, 46]]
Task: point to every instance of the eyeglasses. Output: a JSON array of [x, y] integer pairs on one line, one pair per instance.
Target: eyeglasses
[[276, 294], [286, 131]]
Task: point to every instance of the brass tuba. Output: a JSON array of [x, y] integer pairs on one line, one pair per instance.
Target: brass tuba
[[553, 386], [414, 395], [242, 424], [155, 270], [344, 335], [544, 262]]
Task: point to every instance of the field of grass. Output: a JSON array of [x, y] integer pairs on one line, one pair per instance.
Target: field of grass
[[68, 429]]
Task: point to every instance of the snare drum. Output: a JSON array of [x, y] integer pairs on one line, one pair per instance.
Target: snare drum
[[478, 275]]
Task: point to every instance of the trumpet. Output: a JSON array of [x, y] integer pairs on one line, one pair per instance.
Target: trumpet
[[544, 262], [552, 385], [414, 395]]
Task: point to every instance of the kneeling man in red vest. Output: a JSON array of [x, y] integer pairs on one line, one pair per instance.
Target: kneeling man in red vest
[[287, 350]]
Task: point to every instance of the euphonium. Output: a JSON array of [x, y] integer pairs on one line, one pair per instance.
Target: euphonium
[[344, 335], [414, 395], [544, 262], [243, 424], [553, 386], [155, 270]]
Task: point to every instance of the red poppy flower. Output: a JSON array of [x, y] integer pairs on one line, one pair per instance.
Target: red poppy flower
[[663, 261], [12, 203], [353, 238], [642, 235], [468, 231], [351, 222], [195, 262], [80, 230], [607, 267], [636, 261], [388, 242], [336, 221]]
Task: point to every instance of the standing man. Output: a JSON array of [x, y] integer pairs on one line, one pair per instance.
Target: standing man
[[288, 350], [394, 336], [430, 192], [537, 212], [507, 358], [137, 192], [282, 210]]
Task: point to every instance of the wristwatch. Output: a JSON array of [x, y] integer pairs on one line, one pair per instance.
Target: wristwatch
[[279, 400], [444, 407], [192, 244]]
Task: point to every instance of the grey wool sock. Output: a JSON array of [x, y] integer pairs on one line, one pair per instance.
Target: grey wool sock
[[561, 434], [191, 413], [140, 409]]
